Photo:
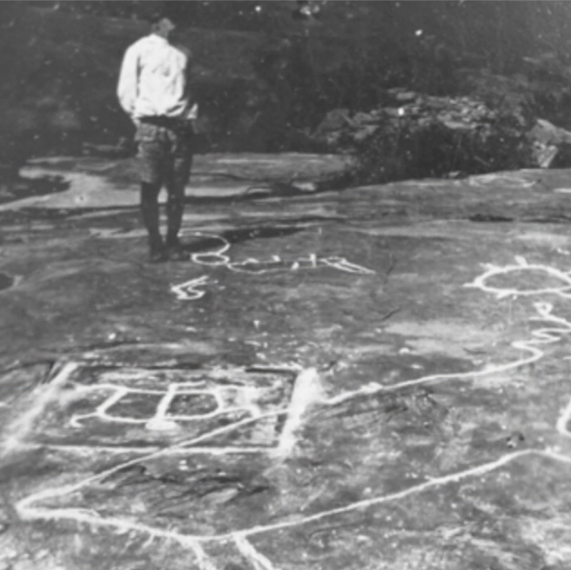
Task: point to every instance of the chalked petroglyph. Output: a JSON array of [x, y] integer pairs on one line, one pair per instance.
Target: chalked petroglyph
[[540, 336], [40, 505], [190, 290], [193, 289], [215, 401], [562, 289], [159, 404], [506, 180]]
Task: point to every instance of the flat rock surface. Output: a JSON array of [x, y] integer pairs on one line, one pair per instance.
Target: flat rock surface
[[93, 182], [372, 378]]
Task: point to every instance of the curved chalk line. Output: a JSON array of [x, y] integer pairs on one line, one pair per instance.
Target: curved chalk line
[[541, 336], [221, 258], [544, 335], [239, 537], [189, 290]]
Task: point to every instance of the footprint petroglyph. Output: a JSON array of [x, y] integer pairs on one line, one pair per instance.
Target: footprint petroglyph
[[552, 329]]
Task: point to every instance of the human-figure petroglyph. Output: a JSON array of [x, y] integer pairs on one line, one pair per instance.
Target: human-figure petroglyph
[[218, 257], [554, 329]]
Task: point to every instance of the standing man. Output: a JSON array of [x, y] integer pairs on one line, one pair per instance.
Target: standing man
[[154, 90]]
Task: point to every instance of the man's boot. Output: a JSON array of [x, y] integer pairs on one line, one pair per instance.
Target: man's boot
[[175, 251], [175, 209], [157, 251]]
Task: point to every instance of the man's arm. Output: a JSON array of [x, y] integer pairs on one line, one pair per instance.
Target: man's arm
[[127, 88], [192, 110]]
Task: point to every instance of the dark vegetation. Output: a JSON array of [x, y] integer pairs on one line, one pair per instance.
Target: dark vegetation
[[267, 74]]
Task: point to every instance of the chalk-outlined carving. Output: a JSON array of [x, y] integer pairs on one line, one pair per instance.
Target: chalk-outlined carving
[[557, 327], [276, 264], [522, 265], [223, 401], [507, 180], [189, 290], [162, 402], [218, 258]]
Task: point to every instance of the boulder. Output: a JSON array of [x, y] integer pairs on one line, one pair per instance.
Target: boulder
[[417, 135], [335, 120], [551, 145]]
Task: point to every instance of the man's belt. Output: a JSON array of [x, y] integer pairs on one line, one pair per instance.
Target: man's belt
[[164, 121]]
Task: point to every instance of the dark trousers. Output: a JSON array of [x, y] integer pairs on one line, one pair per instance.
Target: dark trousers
[[165, 153]]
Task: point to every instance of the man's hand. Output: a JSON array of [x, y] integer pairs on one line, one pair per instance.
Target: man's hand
[[192, 113]]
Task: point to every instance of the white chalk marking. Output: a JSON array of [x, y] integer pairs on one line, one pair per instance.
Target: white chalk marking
[[307, 390], [545, 335], [81, 516], [122, 526], [363, 504], [162, 425], [189, 290], [255, 266], [23, 506], [253, 556], [213, 258], [42, 396], [223, 397], [500, 292], [204, 562], [506, 179], [541, 336], [345, 266], [563, 421], [159, 421], [210, 450]]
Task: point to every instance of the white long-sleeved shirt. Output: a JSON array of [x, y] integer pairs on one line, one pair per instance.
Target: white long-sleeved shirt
[[153, 80]]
